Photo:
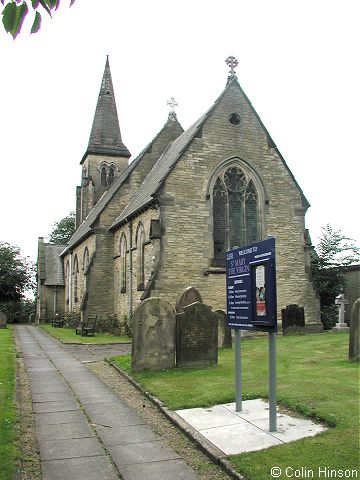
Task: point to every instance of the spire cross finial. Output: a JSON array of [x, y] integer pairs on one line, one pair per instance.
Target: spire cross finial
[[232, 63], [172, 103]]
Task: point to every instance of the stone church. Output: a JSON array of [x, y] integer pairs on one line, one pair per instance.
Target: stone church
[[163, 221]]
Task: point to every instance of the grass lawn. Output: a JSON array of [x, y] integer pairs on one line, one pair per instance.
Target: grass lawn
[[314, 377], [8, 413], [67, 335]]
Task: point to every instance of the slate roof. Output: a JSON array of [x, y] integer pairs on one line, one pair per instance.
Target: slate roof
[[86, 226], [54, 274], [147, 192], [105, 136]]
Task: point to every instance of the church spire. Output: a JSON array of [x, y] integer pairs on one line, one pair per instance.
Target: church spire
[[105, 136]]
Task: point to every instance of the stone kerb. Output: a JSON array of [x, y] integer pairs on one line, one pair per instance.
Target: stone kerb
[[3, 320], [224, 332], [189, 296], [153, 343], [196, 336], [354, 340]]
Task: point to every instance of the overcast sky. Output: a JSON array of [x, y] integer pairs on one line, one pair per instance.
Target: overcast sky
[[298, 64]]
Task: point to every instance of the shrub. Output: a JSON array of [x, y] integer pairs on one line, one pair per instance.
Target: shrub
[[108, 324], [72, 319]]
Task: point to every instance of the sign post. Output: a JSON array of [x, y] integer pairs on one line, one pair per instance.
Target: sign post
[[251, 305]]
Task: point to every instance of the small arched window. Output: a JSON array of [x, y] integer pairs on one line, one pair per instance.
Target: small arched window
[[123, 263], [75, 275], [86, 259], [236, 218], [111, 175], [140, 259], [103, 177]]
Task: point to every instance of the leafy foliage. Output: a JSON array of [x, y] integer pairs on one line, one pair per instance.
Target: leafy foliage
[[333, 254], [15, 11], [17, 273], [63, 230]]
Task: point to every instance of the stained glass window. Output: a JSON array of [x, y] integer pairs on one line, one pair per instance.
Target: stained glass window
[[111, 175], [103, 177], [75, 275], [236, 217]]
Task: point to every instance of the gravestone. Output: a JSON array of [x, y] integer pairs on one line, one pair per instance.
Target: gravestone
[[189, 296], [3, 320], [196, 336], [153, 342], [224, 332], [293, 320], [354, 340], [341, 326]]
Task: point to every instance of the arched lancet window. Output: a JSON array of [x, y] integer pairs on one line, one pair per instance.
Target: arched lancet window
[[75, 275], [236, 218], [86, 259], [123, 263], [103, 177], [140, 259], [67, 283], [111, 175]]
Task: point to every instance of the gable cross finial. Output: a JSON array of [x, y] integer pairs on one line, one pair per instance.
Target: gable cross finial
[[232, 63], [172, 103]]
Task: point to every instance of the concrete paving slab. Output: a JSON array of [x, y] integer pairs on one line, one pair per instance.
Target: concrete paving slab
[[64, 431], [126, 435], [144, 452], [48, 407], [53, 397], [58, 417], [123, 419], [211, 417], [70, 448], [48, 388], [256, 409], [90, 399], [239, 438], [89, 468], [165, 470], [110, 408], [249, 430], [290, 428]]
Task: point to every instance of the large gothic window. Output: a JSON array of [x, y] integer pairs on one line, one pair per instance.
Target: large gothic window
[[140, 259], [75, 275], [123, 263], [67, 282], [236, 217]]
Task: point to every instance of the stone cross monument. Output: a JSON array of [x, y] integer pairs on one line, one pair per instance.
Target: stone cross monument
[[341, 326]]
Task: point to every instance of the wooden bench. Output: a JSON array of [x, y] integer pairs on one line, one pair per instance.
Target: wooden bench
[[87, 328]]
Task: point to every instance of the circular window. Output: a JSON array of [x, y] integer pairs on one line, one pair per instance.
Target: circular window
[[234, 119]]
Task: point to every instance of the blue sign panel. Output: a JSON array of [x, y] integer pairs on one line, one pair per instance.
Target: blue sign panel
[[251, 287]]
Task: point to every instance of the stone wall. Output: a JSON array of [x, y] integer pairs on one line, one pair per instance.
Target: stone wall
[[48, 301]]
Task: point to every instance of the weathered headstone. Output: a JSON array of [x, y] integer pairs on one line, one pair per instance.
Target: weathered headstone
[[224, 332], [189, 296], [354, 340], [293, 320], [196, 336], [341, 326], [153, 342], [3, 320]]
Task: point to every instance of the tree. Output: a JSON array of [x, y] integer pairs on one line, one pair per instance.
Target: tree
[[63, 230], [332, 255], [15, 11], [17, 273]]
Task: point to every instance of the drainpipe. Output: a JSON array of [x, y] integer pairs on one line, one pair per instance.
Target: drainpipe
[[130, 270], [70, 283]]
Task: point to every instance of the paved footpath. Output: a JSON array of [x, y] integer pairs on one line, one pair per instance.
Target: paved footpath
[[85, 431]]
